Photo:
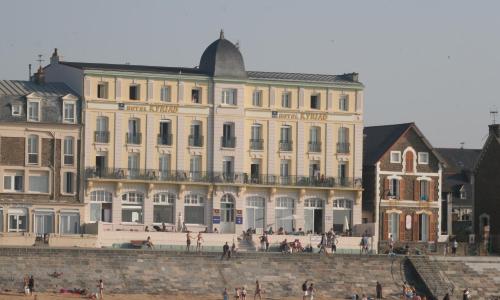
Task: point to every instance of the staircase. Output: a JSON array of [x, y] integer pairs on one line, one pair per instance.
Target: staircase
[[245, 245], [430, 273]]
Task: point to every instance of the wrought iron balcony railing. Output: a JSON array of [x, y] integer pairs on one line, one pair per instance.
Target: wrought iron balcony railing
[[134, 138], [228, 142], [101, 137], [195, 140], [256, 144], [165, 139], [314, 146], [343, 147]]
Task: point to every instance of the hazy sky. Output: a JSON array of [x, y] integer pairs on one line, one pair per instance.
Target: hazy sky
[[433, 62]]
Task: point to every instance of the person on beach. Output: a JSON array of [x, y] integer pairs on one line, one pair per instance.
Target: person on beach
[[225, 251], [258, 291], [267, 242], [454, 246], [149, 243], [323, 244], [188, 241], [304, 290], [31, 284], [237, 294], [243, 293], [311, 291], [198, 242], [100, 287], [225, 295], [378, 290]]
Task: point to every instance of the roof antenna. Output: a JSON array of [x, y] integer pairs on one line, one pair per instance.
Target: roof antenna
[[462, 145], [29, 72], [493, 113], [40, 60], [221, 34]]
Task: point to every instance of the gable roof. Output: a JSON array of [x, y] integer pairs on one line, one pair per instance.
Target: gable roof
[[458, 159], [378, 139]]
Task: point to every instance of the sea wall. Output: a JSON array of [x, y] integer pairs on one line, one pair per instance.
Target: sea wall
[[159, 272]]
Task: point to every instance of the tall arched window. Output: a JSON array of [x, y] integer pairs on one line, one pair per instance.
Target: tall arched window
[[132, 208], [164, 208], [285, 208]]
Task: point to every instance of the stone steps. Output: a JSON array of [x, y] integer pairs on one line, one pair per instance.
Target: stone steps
[[431, 274]]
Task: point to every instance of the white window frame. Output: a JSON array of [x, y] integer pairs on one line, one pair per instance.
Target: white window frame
[[66, 119], [229, 97], [344, 102], [200, 100], [17, 109], [69, 152], [166, 93], [395, 161], [39, 174], [423, 158], [286, 98], [38, 150], [257, 98], [106, 90], [64, 182], [28, 114], [17, 212], [12, 184], [165, 199], [198, 200]]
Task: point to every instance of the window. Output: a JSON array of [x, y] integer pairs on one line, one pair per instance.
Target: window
[[256, 141], [33, 111], [102, 90], [342, 214], [423, 233], [165, 136], [228, 139], [463, 193], [286, 138], [100, 206], [255, 213], [13, 182], [342, 172], [196, 96], [69, 151], [393, 224], [195, 166], [344, 103], [424, 190], [228, 167], [284, 213], [69, 183], [134, 132], [284, 171], [16, 109], [315, 139], [133, 165], [195, 137], [394, 188], [314, 169], [165, 94], [33, 149], [132, 207], [409, 161], [18, 220], [395, 157], [134, 92], [315, 102], [343, 144], [257, 98], [194, 209], [102, 133], [229, 96], [70, 223], [44, 222], [423, 158], [163, 208], [286, 100], [39, 182], [164, 165], [69, 112]]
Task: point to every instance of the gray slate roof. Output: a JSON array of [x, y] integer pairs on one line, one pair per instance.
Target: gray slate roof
[[14, 92], [223, 59], [458, 169], [377, 139], [256, 75]]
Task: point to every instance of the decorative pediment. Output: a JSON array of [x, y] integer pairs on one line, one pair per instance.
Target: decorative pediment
[[33, 95], [69, 97]]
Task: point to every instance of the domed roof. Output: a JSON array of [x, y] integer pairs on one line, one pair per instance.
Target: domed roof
[[223, 59]]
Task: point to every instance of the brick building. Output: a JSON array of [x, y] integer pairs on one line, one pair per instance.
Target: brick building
[[457, 191], [402, 183], [39, 151], [486, 219]]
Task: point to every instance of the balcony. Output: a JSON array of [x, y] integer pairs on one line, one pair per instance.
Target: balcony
[[343, 148], [256, 144], [101, 137], [228, 142], [195, 140], [165, 139], [286, 145], [220, 178], [314, 146], [134, 138]]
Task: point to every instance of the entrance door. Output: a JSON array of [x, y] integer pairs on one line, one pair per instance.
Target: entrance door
[[100, 165], [254, 172], [313, 215], [318, 221], [227, 214]]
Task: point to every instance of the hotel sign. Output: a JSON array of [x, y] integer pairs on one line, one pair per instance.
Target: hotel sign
[[161, 108], [299, 116]]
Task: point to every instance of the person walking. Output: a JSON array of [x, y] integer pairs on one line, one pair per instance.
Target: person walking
[[454, 246], [225, 295], [100, 287], [304, 290], [188, 241], [323, 244], [258, 291], [225, 251], [378, 290], [31, 284], [199, 240]]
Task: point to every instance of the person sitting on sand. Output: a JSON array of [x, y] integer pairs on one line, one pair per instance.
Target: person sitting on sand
[[149, 243]]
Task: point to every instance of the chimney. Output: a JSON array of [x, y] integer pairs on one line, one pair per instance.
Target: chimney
[[39, 76], [352, 76], [54, 59], [495, 130]]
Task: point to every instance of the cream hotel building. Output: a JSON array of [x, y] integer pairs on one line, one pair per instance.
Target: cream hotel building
[[218, 146]]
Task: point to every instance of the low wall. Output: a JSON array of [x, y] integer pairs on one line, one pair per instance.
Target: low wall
[[17, 239], [138, 271], [82, 241]]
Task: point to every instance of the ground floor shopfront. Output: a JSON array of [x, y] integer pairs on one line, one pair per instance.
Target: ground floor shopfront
[[225, 208], [41, 219]]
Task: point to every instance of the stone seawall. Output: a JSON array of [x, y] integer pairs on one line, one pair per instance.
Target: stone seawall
[[155, 272]]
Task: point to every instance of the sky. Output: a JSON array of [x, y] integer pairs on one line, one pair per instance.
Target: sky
[[435, 63]]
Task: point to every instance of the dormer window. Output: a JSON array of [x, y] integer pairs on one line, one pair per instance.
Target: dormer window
[[33, 111], [16, 109], [69, 112]]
